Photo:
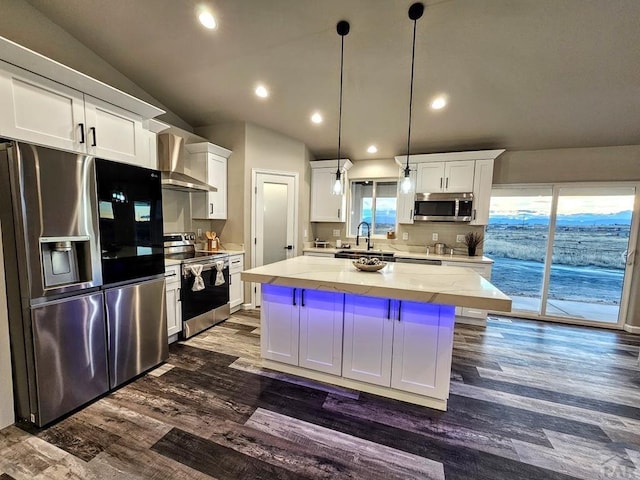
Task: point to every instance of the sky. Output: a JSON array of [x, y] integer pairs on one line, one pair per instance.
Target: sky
[[567, 205]]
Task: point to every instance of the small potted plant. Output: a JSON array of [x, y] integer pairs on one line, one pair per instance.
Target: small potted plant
[[472, 240]]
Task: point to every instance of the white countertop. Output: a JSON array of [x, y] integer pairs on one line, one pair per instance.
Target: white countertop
[[422, 283], [401, 254]]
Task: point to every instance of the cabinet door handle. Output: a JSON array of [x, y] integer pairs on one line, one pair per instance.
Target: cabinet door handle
[[447, 185], [302, 297], [474, 214], [440, 182], [399, 309], [294, 297], [179, 294], [410, 214], [230, 279], [81, 132], [93, 133], [211, 209], [339, 213], [389, 309]]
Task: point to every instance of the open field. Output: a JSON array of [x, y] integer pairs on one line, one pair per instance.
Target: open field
[[588, 262]]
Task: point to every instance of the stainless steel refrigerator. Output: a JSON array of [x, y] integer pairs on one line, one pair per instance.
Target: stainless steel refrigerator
[[72, 337]]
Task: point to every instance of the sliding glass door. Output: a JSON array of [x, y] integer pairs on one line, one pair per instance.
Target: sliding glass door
[[589, 252], [563, 251]]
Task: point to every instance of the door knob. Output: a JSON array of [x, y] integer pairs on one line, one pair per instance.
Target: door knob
[[289, 247]]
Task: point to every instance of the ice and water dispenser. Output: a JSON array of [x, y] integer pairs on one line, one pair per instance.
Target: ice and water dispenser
[[65, 261]]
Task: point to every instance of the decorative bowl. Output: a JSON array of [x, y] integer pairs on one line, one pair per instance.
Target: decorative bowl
[[369, 268]]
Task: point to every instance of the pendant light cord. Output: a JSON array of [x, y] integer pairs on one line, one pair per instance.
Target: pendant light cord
[[413, 56], [340, 110]]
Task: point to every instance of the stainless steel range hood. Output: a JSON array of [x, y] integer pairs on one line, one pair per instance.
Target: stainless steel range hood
[[175, 167]]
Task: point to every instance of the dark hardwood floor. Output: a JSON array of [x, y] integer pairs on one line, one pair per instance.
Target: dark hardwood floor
[[529, 400]]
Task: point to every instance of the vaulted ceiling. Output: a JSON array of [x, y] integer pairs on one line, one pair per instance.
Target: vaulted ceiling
[[519, 74]]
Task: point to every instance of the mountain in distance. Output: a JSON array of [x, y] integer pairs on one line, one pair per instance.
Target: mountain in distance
[[576, 219]]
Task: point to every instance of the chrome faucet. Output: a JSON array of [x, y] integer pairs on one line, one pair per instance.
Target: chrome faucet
[[369, 246]]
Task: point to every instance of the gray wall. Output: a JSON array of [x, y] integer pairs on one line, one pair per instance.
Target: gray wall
[[26, 26]]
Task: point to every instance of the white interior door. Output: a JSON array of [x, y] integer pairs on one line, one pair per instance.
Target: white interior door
[[274, 208]]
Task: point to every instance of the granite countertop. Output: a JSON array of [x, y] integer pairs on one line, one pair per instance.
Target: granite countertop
[[422, 283], [401, 254]]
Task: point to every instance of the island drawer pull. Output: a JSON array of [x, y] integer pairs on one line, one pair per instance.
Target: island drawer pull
[[294, 297], [399, 309], [389, 309], [302, 297]]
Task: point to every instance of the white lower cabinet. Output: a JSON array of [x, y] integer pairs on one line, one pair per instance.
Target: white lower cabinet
[[174, 308], [321, 331], [368, 336], [398, 344], [279, 324], [236, 293], [302, 327], [422, 338], [482, 269]]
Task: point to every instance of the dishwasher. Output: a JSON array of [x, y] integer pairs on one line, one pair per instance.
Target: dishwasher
[[420, 261]]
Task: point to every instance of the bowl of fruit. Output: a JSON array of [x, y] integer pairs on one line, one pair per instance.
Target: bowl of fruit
[[367, 264]]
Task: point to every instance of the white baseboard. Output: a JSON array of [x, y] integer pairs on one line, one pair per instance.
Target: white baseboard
[[632, 329]]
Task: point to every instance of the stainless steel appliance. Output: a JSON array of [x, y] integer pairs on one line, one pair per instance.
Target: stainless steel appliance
[[443, 207], [205, 307], [68, 345], [52, 263], [132, 259], [177, 171]]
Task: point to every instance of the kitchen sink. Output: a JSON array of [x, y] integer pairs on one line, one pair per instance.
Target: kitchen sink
[[355, 254]]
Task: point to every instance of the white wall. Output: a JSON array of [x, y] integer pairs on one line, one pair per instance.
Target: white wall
[[6, 386]]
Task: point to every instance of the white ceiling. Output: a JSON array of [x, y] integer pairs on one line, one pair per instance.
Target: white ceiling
[[520, 74]]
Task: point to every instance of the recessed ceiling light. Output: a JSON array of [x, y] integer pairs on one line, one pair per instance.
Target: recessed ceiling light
[[262, 91], [207, 20], [372, 149], [439, 102], [316, 118]]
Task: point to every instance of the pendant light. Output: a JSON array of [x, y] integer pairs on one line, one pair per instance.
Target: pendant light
[[343, 30], [415, 12]]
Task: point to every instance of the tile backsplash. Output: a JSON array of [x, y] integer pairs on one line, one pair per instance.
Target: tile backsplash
[[420, 235]]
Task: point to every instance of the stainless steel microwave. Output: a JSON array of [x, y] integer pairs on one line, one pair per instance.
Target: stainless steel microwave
[[443, 207]]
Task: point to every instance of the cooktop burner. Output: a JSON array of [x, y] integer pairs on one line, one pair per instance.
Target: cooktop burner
[[182, 246]]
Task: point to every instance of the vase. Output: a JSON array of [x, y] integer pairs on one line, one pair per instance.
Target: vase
[[472, 251]]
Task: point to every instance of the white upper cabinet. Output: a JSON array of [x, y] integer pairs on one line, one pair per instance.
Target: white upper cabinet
[[326, 207], [211, 160], [454, 177], [456, 172], [406, 201], [114, 133], [41, 111], [482, 183], [44, 112]]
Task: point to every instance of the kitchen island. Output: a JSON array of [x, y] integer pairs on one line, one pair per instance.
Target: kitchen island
[[388, 332]]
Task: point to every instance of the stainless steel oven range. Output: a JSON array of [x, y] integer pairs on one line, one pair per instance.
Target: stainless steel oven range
[[204, 289]]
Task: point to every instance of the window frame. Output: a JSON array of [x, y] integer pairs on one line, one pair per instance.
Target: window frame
[[375, 182]]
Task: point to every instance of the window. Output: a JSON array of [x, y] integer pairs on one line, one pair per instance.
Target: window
[[374, 202]]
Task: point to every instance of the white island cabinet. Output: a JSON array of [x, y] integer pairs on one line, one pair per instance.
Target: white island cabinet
[[302, 327], [389, 332]]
